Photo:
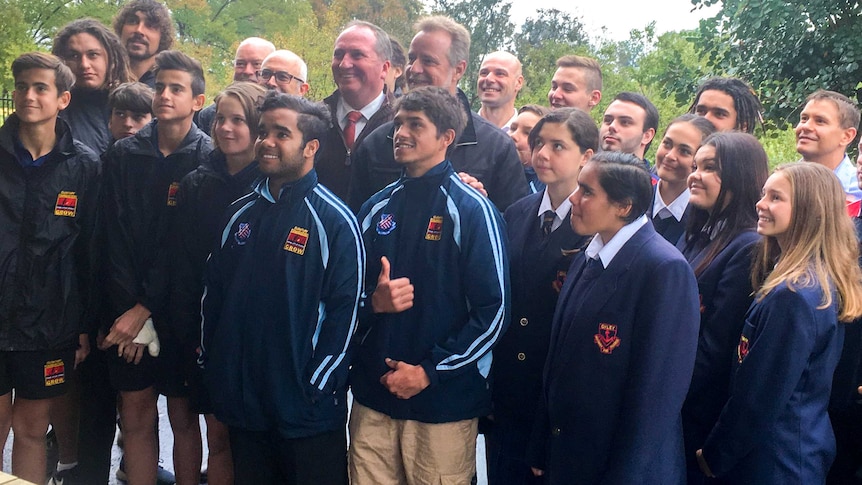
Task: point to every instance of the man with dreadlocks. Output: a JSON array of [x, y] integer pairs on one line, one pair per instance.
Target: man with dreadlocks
[[729, 103]]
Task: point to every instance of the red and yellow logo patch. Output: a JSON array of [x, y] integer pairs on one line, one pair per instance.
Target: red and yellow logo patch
[[55, 373], [296, 241], [67, 204], [172, 194], [607, 339], [435, 228], [742, 349]]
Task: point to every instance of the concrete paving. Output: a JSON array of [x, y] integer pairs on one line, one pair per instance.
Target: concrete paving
[[166, 442]]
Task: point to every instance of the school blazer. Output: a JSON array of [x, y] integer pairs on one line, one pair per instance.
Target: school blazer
[[725, 295], [621, 358]]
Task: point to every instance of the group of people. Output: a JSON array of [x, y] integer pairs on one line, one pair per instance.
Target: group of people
[[521, 273]]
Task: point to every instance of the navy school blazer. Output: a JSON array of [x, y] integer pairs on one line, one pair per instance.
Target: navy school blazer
[[725, 295], [621, 358]]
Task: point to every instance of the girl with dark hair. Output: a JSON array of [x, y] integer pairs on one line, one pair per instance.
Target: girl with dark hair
[[541, 247], [730, 169], [774, 428], [674, 161], [623, 341]]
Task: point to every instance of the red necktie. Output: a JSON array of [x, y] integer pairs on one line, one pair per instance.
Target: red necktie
[[350, 128]]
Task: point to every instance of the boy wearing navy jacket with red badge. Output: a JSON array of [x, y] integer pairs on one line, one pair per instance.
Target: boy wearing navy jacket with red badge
[[438, 302], [280, 307]]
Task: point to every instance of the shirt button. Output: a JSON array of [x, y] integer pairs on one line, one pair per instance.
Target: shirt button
[[524, 322], [556, 431], [521, 356]]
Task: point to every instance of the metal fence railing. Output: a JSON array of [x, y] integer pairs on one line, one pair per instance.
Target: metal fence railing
[[6, 105]]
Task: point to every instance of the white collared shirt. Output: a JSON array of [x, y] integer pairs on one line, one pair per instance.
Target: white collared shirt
[[675, 208], [607, 251], [343, 109], [562, 211], [846, 173]]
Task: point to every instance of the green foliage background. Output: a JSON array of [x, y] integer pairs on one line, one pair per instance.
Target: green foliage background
[[784, 49]]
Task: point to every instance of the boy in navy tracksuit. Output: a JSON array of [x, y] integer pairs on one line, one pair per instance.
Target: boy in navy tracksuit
[[49, 201], [438, 286], [280, 307]]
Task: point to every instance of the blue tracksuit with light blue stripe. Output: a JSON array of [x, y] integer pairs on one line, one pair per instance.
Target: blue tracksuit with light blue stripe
[[280, 308], [450, 242]]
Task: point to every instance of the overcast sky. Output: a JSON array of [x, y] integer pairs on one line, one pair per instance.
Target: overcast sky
[[619, 16]]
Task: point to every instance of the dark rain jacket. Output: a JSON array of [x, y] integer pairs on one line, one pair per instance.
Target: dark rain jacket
[[140, 204], [48, 218]]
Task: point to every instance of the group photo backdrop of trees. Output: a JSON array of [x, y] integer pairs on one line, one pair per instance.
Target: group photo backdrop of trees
[[784, 49]]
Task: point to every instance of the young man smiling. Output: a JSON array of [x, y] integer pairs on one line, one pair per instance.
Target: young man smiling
[[142, 176], [827, 125], [280, 308], [419, 377]]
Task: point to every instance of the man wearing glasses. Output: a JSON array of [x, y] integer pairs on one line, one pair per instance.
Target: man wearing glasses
[[360, 62], [285, 72]]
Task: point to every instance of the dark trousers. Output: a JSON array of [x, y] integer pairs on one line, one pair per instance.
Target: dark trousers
[[98, 423], [265, 457], [505, 453], [847, 426]]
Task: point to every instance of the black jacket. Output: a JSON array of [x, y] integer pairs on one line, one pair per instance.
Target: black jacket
[[48, 218], [483, 150], [333, 160], [139, 202], [204, 196], [88, 115]]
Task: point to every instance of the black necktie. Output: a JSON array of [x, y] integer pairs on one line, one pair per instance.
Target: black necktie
[[592, 269], [662, 225], [548, 221]]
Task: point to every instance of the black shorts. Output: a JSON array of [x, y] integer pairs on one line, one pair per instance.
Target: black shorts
[[128, 377], [177, 366], [37, 374]]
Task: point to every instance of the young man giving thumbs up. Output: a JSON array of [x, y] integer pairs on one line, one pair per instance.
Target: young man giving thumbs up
[[437, 302]]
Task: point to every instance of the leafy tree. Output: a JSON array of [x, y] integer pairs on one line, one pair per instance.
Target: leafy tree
[[551, 25], [396, 17], [676, 64], [787, 49]]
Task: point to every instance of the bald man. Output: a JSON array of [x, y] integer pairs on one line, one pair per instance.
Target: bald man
[[284, 72], [249, 58], [247, 62], [500, 80]]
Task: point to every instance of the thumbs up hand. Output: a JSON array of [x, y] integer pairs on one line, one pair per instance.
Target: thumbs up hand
[[391, 296]]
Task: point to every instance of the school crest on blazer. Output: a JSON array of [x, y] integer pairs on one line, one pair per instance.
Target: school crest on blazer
[[742, 348], [607, 338]]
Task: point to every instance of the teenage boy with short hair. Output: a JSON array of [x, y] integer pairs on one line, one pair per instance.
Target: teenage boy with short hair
[[131, 107], [49, 200], [280, 308], [420, 371], [142, 176]]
